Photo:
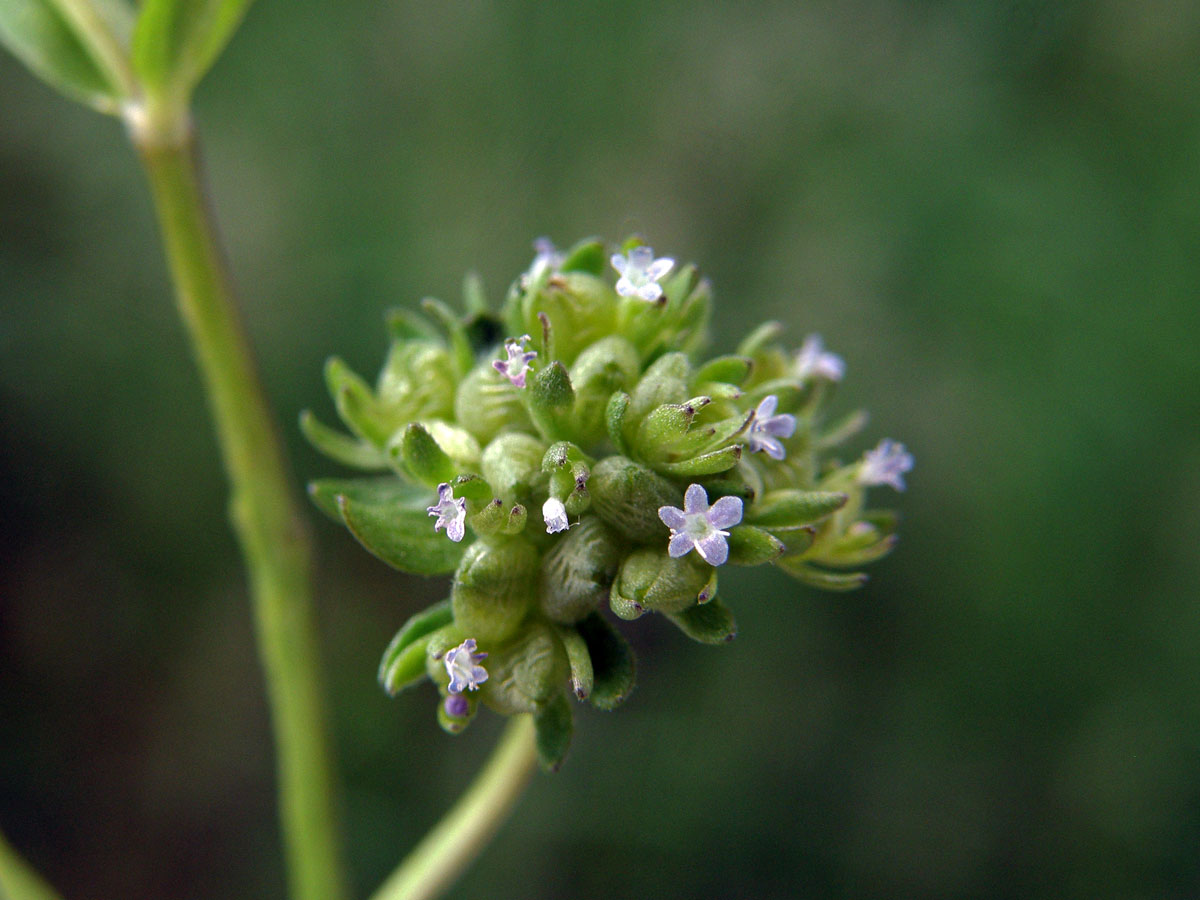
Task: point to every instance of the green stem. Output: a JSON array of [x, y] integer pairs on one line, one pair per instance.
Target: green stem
[[272, 533], [18, 880], [436, 862]]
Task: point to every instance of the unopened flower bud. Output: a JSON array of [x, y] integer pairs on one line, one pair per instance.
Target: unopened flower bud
[[494, 588]]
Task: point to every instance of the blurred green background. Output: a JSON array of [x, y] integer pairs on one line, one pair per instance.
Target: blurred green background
[[990, 209]]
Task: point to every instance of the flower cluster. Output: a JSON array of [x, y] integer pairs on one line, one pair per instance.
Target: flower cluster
[[572, 452]]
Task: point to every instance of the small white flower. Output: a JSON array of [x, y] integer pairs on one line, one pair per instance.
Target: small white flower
[[766, 428], [555, 515], [451, 513], [699, 525], [516, 367], [462, 665], [814, 362], [548, 258], [640, 273], [886, 464]]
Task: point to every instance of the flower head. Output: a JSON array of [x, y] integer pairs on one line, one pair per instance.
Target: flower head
[[451, 513], [766, 428], [640, 273], [462, 665], [516, 367], [813, 361], [886, 464], [699, 525], [555, 515]]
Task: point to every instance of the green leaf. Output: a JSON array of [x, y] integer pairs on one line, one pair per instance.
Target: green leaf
[[613, 666], [764, 334], [586, 256], [726, 369], [705, 464], [818, 578], [750, 546], [389, 518], [460, 345], [582, 676], [339, 447], [389, 489], [356, 404], [554, 726], [710, 623], [176, 41], [76, 47], [396, 671], [423, 457], [794, 507]]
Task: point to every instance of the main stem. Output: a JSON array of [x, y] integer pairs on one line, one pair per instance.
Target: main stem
[[273, 535], [437, 862]]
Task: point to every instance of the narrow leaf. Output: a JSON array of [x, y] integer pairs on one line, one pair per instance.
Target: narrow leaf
[[613, 666], [419, 626], [582, 676], [818, 578], [176, 41], [793, 507], [710, 623], [339, 447], [554, 726]]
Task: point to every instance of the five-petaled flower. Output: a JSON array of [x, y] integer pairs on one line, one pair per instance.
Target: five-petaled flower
[[451, 513], [516, 367], [555, 516], [766, 428], [814, 361], [640, 273], [885, 464], [699, 525], [462, 665]]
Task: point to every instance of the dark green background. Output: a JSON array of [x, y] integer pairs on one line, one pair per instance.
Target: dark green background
[[991, 210]]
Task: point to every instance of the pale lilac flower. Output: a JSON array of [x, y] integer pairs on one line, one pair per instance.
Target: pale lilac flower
[[462, 665], [886, 464], [640, 273], [766, 428], [548, 257], [516, 367], [699, 525], [555, 515], [451, 513], [813, 361]]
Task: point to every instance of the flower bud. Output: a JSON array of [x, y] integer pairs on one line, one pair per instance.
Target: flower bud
[[417, 381], [654, 581], [526, 674], [578, 571], [487, 404], [494, 588], [581, 309], [512, 463], [608, 365], [627, 496]]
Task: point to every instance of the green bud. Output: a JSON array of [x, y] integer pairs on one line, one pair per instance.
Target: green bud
[[666, 381], [417, 381], [652, 580], [453, 723], [526, 674], [487, 404], [512, 463], [421, 456], [627, 496], [794, 507], [494, 588], [578, 571], [551, 401], [580, 307], [608, 365]]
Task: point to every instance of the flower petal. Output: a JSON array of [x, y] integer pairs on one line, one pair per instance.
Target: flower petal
[[650, 291], [766, 408], [659, 268], [625, 287], [712, 547], [619, 262], [725, 512], [673, 517], [696, 500], [680, 544]]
